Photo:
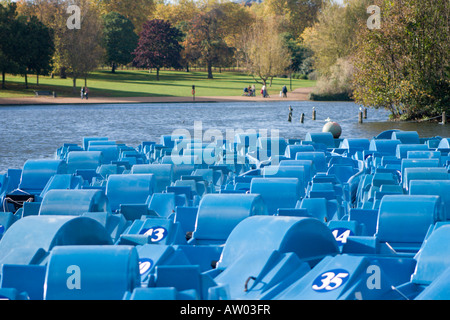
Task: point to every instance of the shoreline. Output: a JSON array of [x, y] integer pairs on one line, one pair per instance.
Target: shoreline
[[300, 94]]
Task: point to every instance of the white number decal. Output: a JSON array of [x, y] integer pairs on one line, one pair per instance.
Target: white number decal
[[341, 234], [330, 280], [145, 265], [156, 234]]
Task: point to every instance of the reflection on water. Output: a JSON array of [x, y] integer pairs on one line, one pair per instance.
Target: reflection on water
[[32, 132]]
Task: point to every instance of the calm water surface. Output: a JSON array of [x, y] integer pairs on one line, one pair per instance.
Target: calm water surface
[[35, 132]]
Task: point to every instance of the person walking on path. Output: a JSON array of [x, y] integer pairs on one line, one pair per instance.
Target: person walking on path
[[284, 90], [86, 93], [264, 91], [82, 93]]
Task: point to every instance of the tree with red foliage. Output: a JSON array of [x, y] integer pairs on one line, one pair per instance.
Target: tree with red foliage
[[158, 46]]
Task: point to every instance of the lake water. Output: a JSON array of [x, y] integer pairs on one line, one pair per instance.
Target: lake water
[[34, 132]]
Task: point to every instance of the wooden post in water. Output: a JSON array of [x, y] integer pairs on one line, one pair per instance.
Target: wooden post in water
[[314, 114], [365, 113], [360, 117], [444, 118], [302, 118], [290, 114]]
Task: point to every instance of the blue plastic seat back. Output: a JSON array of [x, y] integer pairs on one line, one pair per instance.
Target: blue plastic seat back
[[181, 278], [418, 154], [316, 207], [277, 192], [6, 220], [387, 134], [341, 160], [406, 219], [87, 140], [308, 166], [433, 187], [91, 272], [24, 278], [385, 147], [402, 149], [439, 289], [163, 174], [406, 137], [342, 172], [325, 138], [317, 157], [268, 147], [298, 172], [169, 141], [63, 181], [365, 217], [309, 238], [246, 139], [163, 203], [74, 202], [434, 257], [31, 238], [129, 189], [218, 214], [291, 150], [36, 173], [428, 173], [355, 144], [84, 160], [444, 144], [418, 163], [110, 151], [105, 170]]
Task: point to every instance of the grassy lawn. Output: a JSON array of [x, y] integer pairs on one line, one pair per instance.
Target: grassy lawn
[[141, 83]]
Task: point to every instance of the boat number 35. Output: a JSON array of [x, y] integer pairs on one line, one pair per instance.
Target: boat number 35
[[330, 280], [155, 233]]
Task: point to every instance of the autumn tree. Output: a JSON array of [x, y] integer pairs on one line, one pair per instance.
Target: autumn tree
[[9, 43], [297, 14], [265, 53], [26, 44], [137, 11], [158, 46], [79, 50], [37, 58], [334, 35], [119, 39], [404, 65], [206, 38]]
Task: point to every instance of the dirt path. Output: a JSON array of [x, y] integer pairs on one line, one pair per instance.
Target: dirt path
[[299, 94]]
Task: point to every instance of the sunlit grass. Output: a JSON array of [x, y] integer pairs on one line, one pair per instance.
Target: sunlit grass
[[142, 83]]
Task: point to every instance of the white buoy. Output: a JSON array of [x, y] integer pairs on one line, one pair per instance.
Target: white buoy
[[334, 128]]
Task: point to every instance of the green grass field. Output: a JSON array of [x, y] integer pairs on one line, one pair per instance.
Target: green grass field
[[141, 83]]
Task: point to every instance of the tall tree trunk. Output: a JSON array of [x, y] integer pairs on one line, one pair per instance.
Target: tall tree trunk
[[85, 81], [157, 74], [74, 88], [37, 79], [210, 75], [113, 70], [62, 73], [3, 80], [26, 81]]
